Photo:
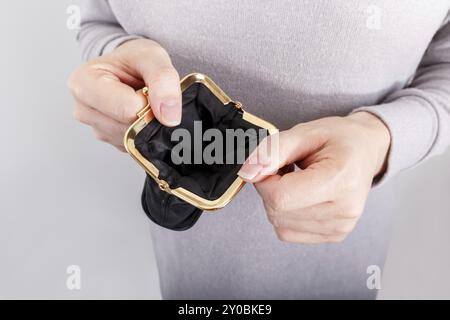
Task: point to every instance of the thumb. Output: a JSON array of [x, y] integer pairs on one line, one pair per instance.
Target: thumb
[[276, 152], [163, 81]]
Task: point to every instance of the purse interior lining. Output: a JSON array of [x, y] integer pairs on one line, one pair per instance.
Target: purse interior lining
[[209, 181]]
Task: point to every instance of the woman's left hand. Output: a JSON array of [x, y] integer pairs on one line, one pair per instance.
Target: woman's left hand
[[339, 159]]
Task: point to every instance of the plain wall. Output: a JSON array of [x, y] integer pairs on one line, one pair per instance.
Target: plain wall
[[66, 199]]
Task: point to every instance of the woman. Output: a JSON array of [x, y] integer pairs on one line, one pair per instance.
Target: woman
[[361, 90]]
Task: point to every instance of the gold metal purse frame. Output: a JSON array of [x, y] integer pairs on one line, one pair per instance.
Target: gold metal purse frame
[[145, 116]]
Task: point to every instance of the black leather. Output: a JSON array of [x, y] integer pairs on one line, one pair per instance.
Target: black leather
[[207, 181]]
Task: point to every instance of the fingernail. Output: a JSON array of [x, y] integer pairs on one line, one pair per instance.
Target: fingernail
[[249, 171], [268, 171], [169, 113]]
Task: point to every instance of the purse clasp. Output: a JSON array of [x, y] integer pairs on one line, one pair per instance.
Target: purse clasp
[[164, 186], [238, 105], [141, 113]]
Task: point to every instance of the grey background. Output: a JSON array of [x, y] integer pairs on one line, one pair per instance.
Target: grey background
[[66, 199]]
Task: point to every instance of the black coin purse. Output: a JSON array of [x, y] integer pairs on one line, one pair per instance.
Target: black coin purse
[[176, 193]]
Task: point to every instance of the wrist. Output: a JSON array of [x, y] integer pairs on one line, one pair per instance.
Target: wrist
[[379, 137]]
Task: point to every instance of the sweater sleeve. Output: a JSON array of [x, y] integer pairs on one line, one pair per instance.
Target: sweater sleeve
[[100, 32], [418, 116]]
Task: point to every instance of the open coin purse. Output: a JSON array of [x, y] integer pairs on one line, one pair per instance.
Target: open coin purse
[[175, 195]]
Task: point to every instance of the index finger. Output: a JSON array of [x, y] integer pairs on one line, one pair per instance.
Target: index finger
[[105, 92], [299, 189]]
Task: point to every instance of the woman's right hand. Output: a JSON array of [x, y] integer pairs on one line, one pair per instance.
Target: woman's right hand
[[105, 89]]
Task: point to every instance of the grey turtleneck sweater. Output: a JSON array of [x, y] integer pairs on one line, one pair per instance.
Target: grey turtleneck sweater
[[290, 62]]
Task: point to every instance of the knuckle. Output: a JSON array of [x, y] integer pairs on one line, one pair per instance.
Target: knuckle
[[283, 235], [350, 210], [271, 213], [167, 73], [126, 115], [121, 113], [277, 201], [344, 228], [278, 221], [76, 114], [101, 137], [354, 211], [120, 148], [272, 219], [120, 132], [80, 116], [336, 239], [72, 83], [268, 209]]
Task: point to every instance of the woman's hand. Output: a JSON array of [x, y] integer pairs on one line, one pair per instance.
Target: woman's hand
[[105, 89], [338, 158]]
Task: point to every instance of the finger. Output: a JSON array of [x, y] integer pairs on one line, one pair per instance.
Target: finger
[[277, 151], [259, 158], [107, 138], [155, 67], [121, 148], [322, 211], [291, 236], [165, 96], [299, 189], [100, 88], [322, 227], [109, 129]]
